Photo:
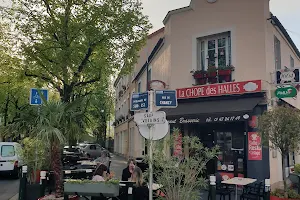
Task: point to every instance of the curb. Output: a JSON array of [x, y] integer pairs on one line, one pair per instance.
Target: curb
[[15, 197]]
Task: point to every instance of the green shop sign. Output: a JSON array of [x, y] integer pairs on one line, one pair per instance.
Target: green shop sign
[[286, 92]]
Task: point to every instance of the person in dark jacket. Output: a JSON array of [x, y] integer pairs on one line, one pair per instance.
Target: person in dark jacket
[[127, 172], [141, 190]]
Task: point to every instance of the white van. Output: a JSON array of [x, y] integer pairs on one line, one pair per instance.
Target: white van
[[10, 162]]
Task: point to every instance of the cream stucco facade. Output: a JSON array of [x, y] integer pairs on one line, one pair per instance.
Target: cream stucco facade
[[251, 30]]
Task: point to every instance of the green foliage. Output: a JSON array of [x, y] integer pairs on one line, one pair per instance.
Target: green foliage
[[279, 128], [297, 168], [181, 181], [73, 44], [291, 194], [34, 154]]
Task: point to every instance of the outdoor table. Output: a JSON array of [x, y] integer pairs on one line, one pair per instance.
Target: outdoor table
[[239, 181]]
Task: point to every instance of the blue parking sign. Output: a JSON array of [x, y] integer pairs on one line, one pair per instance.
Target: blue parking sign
[[166, 98], [35, 98], [139, 101]]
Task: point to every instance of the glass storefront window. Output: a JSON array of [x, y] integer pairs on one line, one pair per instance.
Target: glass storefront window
[[231, 154]]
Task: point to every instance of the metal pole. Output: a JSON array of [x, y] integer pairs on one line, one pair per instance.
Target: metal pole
[[42, 183], [267, 189], [150, 149], [212, 188], [23, 182]]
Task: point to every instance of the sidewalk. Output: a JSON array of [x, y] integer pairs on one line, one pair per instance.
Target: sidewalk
[[16, 197]]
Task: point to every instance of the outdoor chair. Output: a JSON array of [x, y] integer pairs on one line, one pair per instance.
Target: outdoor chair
[[253, 192], [295, 179], [222, 190]]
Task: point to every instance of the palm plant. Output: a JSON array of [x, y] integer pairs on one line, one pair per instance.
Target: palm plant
[[53, 123]]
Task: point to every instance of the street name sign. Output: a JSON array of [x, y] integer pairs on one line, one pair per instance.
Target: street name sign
[[150, 118], [35, 98], [139, 101], [166, 98], [285, 92]]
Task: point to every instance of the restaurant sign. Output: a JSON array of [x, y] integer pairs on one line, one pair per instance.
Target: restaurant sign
[[220, 89], [254, 146], [209, 119]]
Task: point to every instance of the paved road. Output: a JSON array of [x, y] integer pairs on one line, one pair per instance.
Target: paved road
[[8, 187], [117, 165]]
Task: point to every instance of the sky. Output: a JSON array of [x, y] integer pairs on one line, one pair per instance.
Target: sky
[[287, 11]]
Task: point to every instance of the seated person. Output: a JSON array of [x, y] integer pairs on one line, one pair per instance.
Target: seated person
[[127, 172], [100, 173], [141, 190]]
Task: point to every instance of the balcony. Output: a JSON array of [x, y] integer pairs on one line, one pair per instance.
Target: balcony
[[213, 75]]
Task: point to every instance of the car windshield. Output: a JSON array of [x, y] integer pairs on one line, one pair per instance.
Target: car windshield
[[7, 150]]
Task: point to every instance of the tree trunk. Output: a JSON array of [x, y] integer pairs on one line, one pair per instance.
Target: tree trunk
[[56, 166], [6, 110], [283, 174]]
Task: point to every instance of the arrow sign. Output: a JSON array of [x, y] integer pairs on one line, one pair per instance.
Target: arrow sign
[[35, 98]]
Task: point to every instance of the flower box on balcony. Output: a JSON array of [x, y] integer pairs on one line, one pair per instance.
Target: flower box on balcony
[[224, 72], [200, 74]]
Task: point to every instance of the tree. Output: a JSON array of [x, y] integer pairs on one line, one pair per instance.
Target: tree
[[51, 123], [181, 179], [73, 44], [279, 128]]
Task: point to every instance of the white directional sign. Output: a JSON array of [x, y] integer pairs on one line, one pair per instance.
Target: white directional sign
[[150, 118]]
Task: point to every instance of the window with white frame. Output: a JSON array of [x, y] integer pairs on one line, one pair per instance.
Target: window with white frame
[[277, 53], [292, 62], [214, 50]]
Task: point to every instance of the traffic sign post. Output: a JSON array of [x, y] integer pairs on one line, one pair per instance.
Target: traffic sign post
[[139, 101], [152, 121], [166, 98], [35, 98], [150, 118]]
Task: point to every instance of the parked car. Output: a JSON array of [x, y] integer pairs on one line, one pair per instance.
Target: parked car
[[92, 150], [10, 161]]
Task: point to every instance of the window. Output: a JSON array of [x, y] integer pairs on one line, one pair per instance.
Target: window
[[277, 52], [7, 151], [149, 74], [139, 87], [292, 62], [214, 51]]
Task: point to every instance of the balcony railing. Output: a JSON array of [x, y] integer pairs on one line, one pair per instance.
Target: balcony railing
[[213, 75]]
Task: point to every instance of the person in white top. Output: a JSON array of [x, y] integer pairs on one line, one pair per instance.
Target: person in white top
[[100, 173]]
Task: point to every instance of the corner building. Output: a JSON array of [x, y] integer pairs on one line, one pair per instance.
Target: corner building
[[221, 58]]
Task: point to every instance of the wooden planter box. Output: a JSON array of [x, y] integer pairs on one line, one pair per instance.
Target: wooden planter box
[[92, 189]]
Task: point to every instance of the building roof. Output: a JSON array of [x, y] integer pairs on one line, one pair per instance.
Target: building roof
[[176, 11], [285, 33], [158, 45]]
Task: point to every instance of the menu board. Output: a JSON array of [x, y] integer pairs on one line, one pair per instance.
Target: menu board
[[254, 146]]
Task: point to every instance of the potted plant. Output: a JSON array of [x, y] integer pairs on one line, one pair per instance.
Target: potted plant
[[279, 128], [35, 156], [200, 74], [189, 169], [279, 194], [224, 73], [225, 70], [212, 71]]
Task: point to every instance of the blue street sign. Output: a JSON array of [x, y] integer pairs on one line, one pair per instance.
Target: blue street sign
[[35, 98], [165, 98], [139, 101]]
